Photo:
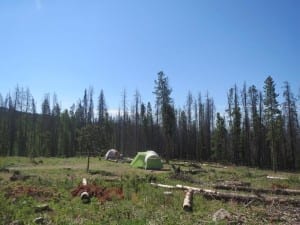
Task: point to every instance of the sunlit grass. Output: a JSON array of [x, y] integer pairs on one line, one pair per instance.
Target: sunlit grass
[[142, 203]]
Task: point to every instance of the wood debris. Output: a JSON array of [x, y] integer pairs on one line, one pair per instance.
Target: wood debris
[[239, 197]]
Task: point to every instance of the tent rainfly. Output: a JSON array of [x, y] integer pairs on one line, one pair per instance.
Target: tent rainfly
[[112, 154], [147, 160]]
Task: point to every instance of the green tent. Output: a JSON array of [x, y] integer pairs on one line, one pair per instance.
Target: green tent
[[147, 160]]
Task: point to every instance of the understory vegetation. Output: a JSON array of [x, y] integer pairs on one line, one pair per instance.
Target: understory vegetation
[[38, 191]]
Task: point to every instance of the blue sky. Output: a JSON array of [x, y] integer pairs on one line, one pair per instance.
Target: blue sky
[[65, 46]]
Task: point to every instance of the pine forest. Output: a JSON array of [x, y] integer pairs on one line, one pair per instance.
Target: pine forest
[[258, 128]]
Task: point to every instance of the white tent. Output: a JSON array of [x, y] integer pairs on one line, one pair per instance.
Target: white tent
[[112, 154]]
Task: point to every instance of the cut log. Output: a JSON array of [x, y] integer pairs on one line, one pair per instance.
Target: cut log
[[84, 195], [258, 190], [188, 200]]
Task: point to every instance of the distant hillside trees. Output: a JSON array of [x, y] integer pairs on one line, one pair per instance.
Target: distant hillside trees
[[255, 130]]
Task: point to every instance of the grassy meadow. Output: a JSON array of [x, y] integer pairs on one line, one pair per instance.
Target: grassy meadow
[[50, 181]]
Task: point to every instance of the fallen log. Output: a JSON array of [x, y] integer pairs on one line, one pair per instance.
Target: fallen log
[[163, 185], [213, 194], [215, 166], [187, 164], [277, 191], [277, 178], [196, 171], [237, 183]]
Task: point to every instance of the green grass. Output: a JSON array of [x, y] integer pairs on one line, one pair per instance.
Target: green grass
[[142, 203]]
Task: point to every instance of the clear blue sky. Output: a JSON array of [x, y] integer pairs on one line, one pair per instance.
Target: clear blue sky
[[65, 46]]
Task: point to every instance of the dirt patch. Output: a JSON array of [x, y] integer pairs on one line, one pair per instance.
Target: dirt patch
[[35, 192], [102, 193]]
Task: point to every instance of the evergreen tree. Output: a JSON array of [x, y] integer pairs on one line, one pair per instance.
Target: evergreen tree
[[219, 140], [190, 153], [65, 140], [165, 110], [137, 100], [150, 127], [55, 124], [201, 127], [272, 116], [183, 135], [246, 129], [85, 106], [90, 112], [102, 108], [45, 128], [123, 120], [257, 126], [236, 128]]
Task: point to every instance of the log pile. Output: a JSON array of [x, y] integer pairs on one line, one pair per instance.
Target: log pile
[[239, 197]]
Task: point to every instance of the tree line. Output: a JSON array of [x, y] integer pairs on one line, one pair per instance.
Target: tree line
[[254, 130]]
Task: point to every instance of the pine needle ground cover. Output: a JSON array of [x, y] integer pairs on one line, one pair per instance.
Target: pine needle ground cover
[[39, 191]]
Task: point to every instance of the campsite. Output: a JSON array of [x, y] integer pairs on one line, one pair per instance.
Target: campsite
[[41, 191], [150, 112]]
